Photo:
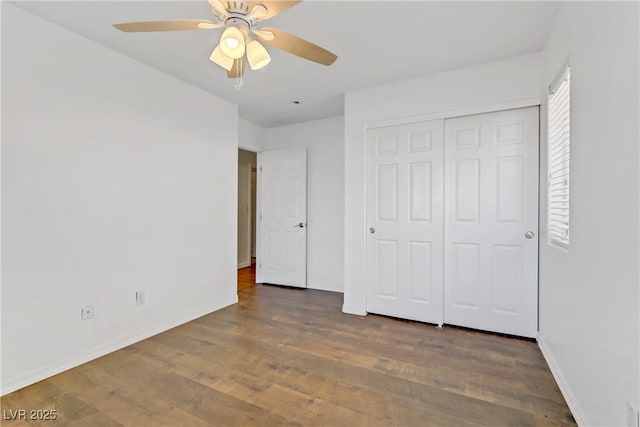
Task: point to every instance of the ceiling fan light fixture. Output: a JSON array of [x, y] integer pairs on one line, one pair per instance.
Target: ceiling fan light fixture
[[232, 42], [257, 55], [241, 37], [221, 59]]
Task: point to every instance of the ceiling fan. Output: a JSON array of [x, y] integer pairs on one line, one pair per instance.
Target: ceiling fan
[[239, 41]]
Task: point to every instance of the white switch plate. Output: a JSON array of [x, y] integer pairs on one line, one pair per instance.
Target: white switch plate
[[87, 312], [633, 417], [139, 297]]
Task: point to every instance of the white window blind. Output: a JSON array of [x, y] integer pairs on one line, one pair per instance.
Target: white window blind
[[558, 160]]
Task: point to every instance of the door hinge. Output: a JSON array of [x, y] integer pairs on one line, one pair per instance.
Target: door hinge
[[260, 217], [260, 265], [260, 168]]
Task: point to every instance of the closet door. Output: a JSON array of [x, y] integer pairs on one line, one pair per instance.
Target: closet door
[[405, 223], [491, 221]]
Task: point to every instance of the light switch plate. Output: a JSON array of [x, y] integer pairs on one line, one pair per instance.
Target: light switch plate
[[140, 297], [87, 312]]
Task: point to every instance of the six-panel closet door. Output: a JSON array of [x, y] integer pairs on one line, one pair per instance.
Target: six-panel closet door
[[452, 214], [405, 224], [491, 221]]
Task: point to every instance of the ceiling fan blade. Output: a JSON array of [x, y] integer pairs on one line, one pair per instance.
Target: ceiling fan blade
[[257, 12], [238, 68], [299, 47], [190, 24], [274, 7], [264, 35], [219, 7]]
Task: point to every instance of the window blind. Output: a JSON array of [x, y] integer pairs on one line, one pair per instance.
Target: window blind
[[558, 203]]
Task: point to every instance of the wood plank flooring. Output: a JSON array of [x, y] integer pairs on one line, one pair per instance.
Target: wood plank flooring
[[290, 357]]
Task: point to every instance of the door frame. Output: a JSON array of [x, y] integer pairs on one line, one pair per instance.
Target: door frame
[[253, 210], [249, 223], [258, 218], [382, 123]]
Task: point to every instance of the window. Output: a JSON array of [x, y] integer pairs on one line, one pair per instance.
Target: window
[[558, 160]]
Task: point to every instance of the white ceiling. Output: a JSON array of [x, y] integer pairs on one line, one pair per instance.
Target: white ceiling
[[376, 42]]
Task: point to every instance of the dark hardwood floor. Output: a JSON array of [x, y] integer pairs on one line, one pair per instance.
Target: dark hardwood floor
[[291, 357]]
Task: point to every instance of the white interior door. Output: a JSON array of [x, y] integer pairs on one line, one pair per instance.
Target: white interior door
[[491, 221], [404, 215], [282, 217]]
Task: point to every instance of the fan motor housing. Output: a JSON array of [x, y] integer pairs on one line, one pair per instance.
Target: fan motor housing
[[237, 21], [241, 7]]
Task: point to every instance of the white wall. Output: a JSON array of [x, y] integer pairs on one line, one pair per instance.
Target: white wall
[[250, 136], [324, 141], [113, 175], [246, 160], [589, 294], [437, 96]]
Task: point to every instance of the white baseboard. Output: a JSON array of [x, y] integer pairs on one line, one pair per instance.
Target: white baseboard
[[565, 389], [244, 264], [40, 374], [358, 311]]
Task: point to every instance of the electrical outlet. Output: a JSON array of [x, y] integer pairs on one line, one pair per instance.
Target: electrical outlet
[[87, 312], [633, 417], [139, 297]]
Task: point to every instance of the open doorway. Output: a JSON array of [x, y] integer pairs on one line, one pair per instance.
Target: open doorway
[[247, 175]]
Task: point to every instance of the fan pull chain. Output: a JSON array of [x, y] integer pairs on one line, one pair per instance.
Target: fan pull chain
[[239, 80]]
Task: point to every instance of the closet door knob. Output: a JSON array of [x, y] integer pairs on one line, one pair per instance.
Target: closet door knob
[[529, 234]]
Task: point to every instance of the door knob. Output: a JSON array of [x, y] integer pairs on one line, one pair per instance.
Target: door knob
[[372, 230], [299, 225], [529, 234]]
